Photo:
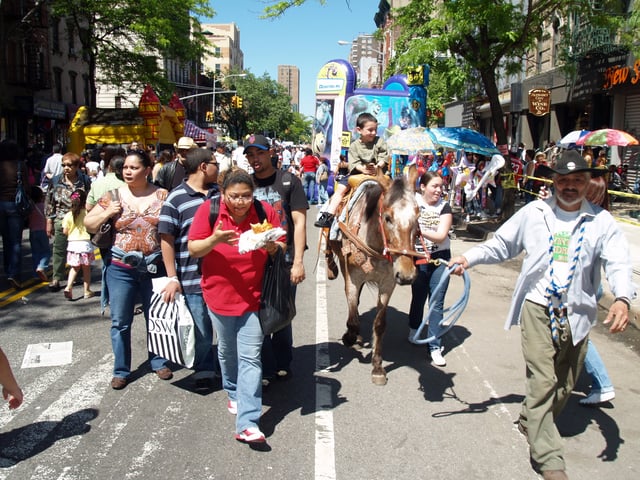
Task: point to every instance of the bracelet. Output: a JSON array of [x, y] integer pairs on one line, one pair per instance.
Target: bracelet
[[624, 300]]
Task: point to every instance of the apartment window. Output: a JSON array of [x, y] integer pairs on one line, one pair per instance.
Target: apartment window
[[71, 39], [55, 35], [72, 84], [57, 78]]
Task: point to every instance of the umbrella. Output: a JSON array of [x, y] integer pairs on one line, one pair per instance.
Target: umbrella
[[410, 141], [459, 138], [570, 139], [609, 137]]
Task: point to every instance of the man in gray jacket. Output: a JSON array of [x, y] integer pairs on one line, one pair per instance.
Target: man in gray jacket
[[567, 241]]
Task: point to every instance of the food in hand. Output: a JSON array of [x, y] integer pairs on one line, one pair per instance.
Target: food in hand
[[261, 227]]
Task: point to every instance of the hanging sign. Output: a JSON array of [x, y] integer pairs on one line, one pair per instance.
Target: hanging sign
[[539, 101]]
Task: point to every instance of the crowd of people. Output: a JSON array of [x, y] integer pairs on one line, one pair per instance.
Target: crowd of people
[[164, 224]]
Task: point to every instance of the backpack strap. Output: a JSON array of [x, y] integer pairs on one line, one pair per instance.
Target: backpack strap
[[214, 210]]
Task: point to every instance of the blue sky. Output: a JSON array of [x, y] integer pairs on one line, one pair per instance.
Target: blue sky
[[305, 36]]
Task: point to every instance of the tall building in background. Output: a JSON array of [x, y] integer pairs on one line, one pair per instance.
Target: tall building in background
[[225, 48], [367, 59], [289, 77]]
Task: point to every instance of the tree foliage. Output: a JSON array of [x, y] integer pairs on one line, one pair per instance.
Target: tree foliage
[[266, 107], [126, 40]]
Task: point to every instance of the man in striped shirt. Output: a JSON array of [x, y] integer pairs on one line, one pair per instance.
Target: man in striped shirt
[[175, 220]]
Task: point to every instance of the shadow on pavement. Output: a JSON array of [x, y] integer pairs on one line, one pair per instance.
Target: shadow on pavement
[[25, 442]]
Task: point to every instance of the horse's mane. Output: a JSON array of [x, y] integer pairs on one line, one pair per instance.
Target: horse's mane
[[372, 195]]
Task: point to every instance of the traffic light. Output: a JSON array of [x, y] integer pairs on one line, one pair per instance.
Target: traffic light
[[238, 102], [234, 101], [209, 117]]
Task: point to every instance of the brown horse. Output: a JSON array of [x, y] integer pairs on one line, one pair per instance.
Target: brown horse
[[377, 248]]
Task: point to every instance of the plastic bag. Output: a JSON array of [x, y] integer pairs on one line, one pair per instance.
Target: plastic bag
[[171, 332], [277, 303]]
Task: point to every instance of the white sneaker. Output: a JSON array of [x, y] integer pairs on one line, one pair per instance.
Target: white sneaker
[[412, 335], [596, 397], [232, 407], [437, 358]]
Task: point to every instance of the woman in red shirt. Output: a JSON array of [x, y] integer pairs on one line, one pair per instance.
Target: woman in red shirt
[[231, 286]]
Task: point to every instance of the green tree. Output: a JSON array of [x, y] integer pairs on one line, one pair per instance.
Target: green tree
[[266, 107], [125, 41], [470, 40], [300, 130]]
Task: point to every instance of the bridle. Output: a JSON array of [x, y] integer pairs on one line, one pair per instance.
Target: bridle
[[387, 251]]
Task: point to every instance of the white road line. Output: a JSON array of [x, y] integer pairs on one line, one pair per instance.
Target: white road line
[[325, 462]]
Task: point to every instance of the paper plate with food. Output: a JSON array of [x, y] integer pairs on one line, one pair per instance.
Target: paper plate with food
[[258, 236]]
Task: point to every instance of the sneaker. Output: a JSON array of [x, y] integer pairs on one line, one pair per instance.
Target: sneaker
[[42, 275], [232, 407], [437, 358], [251, 435], [325, 220], [596, 397], [412, 335]]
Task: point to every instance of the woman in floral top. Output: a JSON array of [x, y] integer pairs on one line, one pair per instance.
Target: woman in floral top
[[136, 258]]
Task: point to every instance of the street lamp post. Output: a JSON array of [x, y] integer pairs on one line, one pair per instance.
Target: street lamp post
[[221, 77]]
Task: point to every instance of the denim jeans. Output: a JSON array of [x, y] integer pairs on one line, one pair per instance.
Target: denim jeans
[[594, 366], [40, 249], [309, 185], [204, 361], [11, 226], [323, 195], [125, 284], [239, 346], [426, 282]]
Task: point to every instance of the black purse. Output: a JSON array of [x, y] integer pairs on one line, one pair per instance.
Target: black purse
[[277, 304], [23, 202], [105, 237]]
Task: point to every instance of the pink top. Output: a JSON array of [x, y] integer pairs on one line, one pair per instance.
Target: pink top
[[137, 232]]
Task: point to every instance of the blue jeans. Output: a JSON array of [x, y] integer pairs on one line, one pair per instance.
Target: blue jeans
[[594, 366], [323, 195], [125, 284], [204, 360], [11, 226], [40, 249], [426, 282], [239, 346], [309, 185]]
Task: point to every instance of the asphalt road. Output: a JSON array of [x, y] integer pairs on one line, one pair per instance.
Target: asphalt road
[[329, 421]]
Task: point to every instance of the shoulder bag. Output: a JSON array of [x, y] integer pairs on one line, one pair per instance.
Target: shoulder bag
[[23, 202]]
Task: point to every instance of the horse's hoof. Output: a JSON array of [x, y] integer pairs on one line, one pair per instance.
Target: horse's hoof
[[379, 379], [349, 339]]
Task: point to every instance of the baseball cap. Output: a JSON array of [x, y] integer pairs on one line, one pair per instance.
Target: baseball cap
[[259, 141]]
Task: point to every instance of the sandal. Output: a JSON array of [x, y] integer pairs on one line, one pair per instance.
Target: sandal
[[89, 294], [67, 294], [54, 286]]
